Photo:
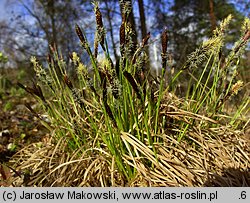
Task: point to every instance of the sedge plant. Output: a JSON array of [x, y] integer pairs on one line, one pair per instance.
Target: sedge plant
[[118, 108]]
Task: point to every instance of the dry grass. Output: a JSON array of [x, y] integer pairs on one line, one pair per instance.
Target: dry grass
[[209, 157]]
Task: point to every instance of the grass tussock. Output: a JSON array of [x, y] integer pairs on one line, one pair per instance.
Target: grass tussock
[[217, 159], [116, 125]]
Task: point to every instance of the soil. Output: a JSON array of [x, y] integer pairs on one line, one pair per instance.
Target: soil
[[18, 126]]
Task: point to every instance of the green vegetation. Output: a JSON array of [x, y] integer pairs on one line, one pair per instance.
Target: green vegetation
[[3, 81], [116, 121], [3, 59]]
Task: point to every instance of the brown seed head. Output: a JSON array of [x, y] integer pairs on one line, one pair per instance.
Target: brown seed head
[[164, 41], [122, 38], [98, 16], [99, 23], [122, 34], [133, 83], [80, 35]]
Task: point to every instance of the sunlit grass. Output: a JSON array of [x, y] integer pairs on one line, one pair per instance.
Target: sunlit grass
[[116, 114]]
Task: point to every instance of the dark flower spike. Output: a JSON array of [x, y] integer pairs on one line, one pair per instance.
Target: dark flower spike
[[132, 81], [80, 34], [100, 28], [109, 112], [117, 67], [27, 89], [105, 97], [98, 16], [36, 90], [164, 43], [68, 82], [122, 38]]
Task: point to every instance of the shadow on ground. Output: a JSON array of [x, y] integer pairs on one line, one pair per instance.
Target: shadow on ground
[[230, 177]]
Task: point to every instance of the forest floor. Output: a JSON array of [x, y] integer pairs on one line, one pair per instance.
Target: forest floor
[[18, 126]]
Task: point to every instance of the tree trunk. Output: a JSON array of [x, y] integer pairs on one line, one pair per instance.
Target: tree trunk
[[111, 29], [212, 15], [142, 18], [51, 10], [143, 28]]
